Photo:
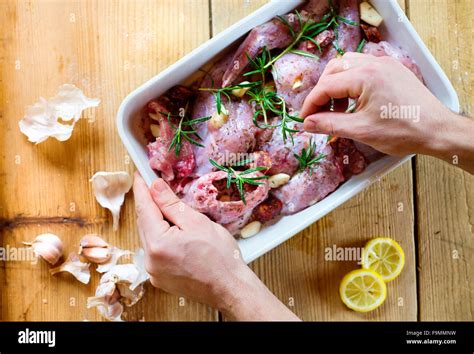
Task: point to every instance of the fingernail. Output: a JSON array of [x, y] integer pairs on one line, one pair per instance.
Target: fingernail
[[309, 125]]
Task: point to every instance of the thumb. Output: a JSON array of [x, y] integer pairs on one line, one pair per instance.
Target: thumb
[[344, 125]]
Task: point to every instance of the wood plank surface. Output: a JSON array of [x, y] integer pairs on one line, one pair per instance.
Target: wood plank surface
[[297, 271], [107, 48], [445, 194]]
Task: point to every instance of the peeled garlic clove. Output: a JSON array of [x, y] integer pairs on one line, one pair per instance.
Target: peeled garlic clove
[[241, 91], [297, 83], [155, 130], [217, 120], [105, 294], [370, 15], [154, 116], [47, 246], [251, 229], [94, 249], [110, 189], [278, 180], [78, 269], [116, 254]]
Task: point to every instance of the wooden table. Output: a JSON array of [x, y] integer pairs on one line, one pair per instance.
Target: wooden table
[[108, 48]]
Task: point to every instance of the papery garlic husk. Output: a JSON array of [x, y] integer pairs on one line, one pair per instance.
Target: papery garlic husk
[[121, 273], [112, 312], [130, 297], [47, 246], [107, 302], [76, 267], [45, 118], [116, 254], [109, 190], [95, 249], [139, 262]]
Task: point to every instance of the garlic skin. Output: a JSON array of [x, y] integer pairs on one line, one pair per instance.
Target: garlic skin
[[116, 253], [47, 246], [73, 265], [109, 190], [139, 262], [106, 300], [122, 285], [43, 119], [95, 249]]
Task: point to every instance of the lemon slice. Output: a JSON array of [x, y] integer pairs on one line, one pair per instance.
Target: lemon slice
[[384, 256], [363, 290]]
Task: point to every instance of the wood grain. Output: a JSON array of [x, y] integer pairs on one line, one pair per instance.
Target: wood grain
[[297, 271], [107, 48], [445, 194]]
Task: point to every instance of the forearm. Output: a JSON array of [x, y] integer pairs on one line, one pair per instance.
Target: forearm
[[454, 142], [248, 299]]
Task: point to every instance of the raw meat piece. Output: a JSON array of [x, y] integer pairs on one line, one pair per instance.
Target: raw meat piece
[[282, 153], [272, 35], [384, 48], [161, 157], [296, 75], [204, 196]]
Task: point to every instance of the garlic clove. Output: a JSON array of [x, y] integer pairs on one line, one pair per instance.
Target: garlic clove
[[108, 306], [112, 312], [251, 229], [92, 240], [155, 130], [94, 249], [217, 120], [297, 83], [241, 91], [154, 116], [96, 255], [278, 180], [47, 246], [78, 269], [109, 190], [116, 254], [369, 14]]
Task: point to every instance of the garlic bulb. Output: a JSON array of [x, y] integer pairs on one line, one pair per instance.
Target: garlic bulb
[[78, 269], [95, 249], [47, 246], [109, 190]]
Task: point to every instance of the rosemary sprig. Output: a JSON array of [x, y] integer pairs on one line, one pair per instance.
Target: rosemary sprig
[[224, 91], [307, 159], [181, 134], [269, 101], [361, 46], [239, 178]]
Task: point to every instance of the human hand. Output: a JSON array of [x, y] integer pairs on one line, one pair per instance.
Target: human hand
[[197, 258], [385, 88]]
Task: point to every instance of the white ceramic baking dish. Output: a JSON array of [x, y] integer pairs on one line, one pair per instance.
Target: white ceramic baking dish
[[396, 28]]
